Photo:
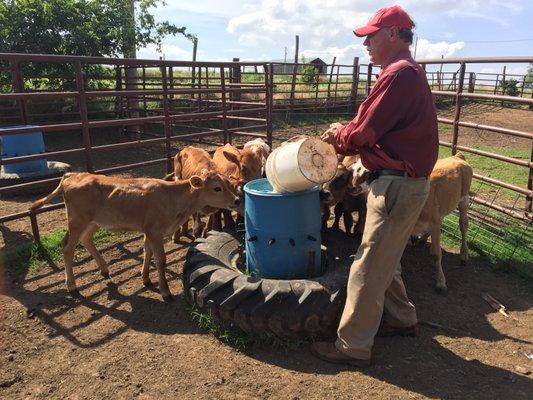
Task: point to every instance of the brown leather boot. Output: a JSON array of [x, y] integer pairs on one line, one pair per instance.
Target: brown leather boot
[[386, 330], [327, 351]]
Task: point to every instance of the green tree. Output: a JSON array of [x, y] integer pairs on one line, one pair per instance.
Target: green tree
[[79, 27], [510, 87], [528, 82]]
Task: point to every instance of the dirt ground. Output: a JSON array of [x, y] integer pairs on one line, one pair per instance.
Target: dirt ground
[[119, 340]]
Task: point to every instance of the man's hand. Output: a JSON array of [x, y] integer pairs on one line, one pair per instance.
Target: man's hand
[[329, 135]]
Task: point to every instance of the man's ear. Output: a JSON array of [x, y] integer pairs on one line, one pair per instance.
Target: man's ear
[[196, 182], [231, 157]]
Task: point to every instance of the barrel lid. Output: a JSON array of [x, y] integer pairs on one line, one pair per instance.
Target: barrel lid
[[262, 187], [317, 160]]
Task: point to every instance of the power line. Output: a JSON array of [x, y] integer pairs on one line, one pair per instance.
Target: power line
[[485, 41]]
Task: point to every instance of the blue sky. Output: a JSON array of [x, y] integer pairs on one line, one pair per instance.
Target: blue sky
[[262, 29]]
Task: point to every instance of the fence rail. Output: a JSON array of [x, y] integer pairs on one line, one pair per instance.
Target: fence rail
[[217, 102]]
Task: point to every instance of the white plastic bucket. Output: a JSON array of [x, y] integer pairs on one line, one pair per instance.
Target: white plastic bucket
[[301, 164]]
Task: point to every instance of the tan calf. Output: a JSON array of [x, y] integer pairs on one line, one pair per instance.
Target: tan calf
[[152, 206], [188, 162], [449, 189]]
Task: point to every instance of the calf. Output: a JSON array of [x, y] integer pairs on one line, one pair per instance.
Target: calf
[[151, 206], [188, 162], [449, 189], [259, 150], [245, 166], [347, 191]]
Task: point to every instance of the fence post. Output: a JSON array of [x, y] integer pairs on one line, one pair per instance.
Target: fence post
[[331, 76], [458, 101], [471, 82], [355, 84], [82, 106], [18, 87], [529, 198], [294, 70], [118, 87], [269, 99], [166, 113], [235, 95], [368, 79], [223, 99]]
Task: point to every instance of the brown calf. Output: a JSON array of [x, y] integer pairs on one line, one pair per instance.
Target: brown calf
[[188, 162], [151, 206], [449, 189]]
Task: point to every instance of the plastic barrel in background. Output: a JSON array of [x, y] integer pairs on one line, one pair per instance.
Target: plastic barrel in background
[[23, 144]]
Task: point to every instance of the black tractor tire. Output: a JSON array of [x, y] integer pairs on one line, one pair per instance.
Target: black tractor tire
[[299, 308]]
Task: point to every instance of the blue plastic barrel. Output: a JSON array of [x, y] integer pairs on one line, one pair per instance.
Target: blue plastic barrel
[[282, 232], [23, 144]]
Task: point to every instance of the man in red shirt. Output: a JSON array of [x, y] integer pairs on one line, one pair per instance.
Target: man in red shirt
[[395, 132]]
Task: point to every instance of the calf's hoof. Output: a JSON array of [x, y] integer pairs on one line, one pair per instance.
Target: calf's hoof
[[168, 298], [148, 283], [105, 274], [441, 288], [74, 293]]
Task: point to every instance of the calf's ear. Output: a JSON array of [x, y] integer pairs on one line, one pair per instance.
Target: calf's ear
[[231, 157], [196, 182]]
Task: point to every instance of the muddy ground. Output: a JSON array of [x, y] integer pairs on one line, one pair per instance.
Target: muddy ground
[[119, 340]]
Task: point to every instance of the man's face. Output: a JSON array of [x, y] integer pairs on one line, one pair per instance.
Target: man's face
[[378, 45]]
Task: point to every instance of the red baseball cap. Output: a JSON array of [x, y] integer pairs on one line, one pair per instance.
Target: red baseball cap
[[386, 17]]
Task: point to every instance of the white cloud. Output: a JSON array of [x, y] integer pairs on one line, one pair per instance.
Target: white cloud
[[426, 49], [323, 25], [168, 52]]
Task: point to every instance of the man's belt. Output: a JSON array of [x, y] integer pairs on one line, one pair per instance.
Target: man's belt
[[373, 175]]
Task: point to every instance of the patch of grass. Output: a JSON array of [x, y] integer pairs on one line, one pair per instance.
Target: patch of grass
[[501, 170], [232, 336], [237, 338], [29, 258], [501, 242]]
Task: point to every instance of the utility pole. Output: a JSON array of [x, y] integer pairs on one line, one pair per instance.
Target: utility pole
[[285, 59], [416, 42]]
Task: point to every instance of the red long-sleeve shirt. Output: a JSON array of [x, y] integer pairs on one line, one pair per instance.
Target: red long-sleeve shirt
[[396, 125]]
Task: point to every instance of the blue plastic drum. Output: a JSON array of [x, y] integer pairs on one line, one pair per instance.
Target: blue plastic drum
[[282, 232], [23, 144]]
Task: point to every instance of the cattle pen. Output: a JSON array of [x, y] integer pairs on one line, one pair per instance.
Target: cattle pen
[[88, 107]]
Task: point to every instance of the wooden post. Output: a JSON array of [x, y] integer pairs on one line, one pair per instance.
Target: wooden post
[[331, 76], [82, 105], [35, 227], [368, 79], [471, 82], [355, 84], [294, 70], [118, 87], [144, 88], [458, 102]]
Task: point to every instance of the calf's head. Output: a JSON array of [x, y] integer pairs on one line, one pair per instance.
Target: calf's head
[[216, 190]]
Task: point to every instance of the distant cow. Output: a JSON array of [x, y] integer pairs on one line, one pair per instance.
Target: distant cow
[[152, 206], [449, 189]]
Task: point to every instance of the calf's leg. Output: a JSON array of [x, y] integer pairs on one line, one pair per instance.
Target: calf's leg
[[145, 272], [436, 255], [155, 241], [86, 240], [71, 239]]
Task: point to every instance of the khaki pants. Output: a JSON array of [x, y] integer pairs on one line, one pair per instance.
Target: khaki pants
[[375, 282]]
